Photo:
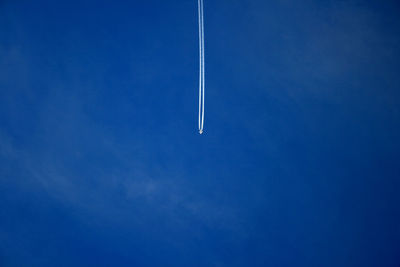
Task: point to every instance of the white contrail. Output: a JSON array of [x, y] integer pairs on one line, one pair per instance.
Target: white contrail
[[201, 69]]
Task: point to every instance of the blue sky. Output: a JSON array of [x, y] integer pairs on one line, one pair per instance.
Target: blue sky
[[101, 163]]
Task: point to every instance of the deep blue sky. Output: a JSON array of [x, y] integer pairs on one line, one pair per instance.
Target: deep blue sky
[[101, 163]]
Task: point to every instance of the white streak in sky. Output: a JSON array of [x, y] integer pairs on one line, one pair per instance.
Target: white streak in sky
[[201, 72]]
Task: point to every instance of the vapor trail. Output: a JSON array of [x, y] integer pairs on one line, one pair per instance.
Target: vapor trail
[[201, 67]]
